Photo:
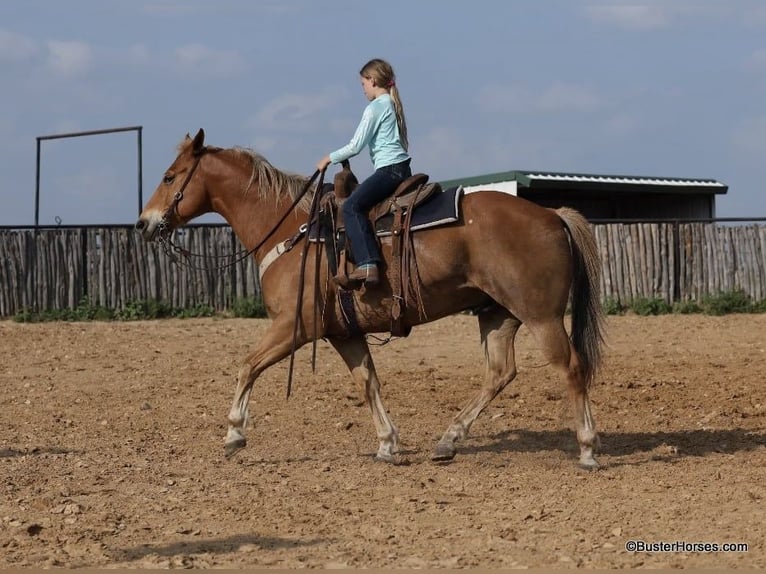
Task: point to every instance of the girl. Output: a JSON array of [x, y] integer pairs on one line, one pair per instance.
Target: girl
[[384, 130]]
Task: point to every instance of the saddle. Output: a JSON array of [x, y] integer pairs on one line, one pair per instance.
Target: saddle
[[394, 212], [411, 192]]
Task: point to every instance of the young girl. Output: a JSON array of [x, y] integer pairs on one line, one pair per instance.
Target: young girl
[[384, 130]]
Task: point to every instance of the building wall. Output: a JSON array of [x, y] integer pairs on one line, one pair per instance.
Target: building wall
[[627, 206]]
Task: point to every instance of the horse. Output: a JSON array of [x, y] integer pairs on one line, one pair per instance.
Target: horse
[[506, 259]]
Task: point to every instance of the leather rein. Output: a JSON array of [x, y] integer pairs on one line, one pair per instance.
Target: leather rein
[[173, 249], [164, 231]]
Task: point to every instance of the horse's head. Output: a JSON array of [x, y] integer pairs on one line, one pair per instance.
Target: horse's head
[[181, 195]]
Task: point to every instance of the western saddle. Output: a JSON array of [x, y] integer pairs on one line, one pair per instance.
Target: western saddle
[[402, 268]]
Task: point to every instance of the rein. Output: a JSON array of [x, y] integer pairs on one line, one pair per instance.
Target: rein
[[313, 216], [171, 248]]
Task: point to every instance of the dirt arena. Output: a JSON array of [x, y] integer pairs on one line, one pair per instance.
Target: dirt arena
[[111, 451]]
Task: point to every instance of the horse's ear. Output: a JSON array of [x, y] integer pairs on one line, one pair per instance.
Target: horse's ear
[[198, 144]]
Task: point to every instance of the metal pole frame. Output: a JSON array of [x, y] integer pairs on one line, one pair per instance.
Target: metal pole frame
[[137, 129]]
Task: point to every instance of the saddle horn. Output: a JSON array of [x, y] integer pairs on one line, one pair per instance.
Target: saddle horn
[[345, 181]]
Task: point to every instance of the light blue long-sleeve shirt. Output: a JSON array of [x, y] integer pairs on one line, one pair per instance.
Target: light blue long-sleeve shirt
[[378, 130]]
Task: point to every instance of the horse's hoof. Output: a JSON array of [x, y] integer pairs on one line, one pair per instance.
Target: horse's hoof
[[233, 447], [444, 453], [394, 459], [589, 465]]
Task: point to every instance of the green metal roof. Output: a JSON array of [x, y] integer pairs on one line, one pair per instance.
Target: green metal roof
[[560, 180]]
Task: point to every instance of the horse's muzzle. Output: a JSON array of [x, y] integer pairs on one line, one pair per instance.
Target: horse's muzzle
[[147, 228]]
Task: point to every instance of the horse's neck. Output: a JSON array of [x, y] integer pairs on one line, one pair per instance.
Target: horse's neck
[[253, 218]]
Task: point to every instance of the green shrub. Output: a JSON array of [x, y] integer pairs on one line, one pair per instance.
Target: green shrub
[[250, 307], [613, 307], [198, 310], [736, 301], [686, 307], [85, 311], [26, 315], [144, 309], [646, 306], [132, 311]]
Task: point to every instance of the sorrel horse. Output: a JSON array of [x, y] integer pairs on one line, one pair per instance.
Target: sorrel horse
[[507, 259]]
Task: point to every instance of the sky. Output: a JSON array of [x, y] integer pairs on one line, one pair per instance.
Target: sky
[[667, 88]]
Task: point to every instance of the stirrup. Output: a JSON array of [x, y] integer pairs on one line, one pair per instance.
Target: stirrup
[[368, 275]]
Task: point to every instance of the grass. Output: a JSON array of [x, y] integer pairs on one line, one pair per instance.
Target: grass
[[141, 310], [722, 303]]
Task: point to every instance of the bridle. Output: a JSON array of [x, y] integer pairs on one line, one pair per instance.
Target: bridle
[[165, 230], [171, 249]]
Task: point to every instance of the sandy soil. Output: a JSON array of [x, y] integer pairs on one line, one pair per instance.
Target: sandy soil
[[111, 451]]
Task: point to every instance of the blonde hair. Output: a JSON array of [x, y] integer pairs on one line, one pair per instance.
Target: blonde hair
[[383, 75]]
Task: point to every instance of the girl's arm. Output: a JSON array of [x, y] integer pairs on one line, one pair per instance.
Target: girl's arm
[[362, 137]]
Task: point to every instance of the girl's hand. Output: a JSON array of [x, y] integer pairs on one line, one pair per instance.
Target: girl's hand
[[323, 163]]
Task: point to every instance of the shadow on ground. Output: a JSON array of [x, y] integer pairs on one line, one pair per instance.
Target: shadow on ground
[[211, 546], [36, 451], [696, 442]]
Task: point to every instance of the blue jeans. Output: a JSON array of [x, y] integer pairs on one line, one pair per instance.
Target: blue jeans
[[373, 190]]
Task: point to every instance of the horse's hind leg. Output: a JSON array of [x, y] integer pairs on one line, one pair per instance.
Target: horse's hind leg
[[272, 348], [559, 351], [356, 354], [498, 330]]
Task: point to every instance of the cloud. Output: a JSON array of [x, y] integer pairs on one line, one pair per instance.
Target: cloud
[[208, 62], [631, 16], [503, 99], [445, 153], [15, 47], [265, 144], [296, 112], [568, 97], [660, 14], [69, 58], [556, 98]]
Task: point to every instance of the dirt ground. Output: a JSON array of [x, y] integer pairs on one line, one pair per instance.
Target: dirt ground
[[111, 451]]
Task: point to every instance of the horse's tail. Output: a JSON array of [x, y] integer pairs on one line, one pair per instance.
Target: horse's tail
[[587, 313]]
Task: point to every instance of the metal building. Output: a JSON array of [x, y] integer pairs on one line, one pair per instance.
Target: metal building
[[617, 197]]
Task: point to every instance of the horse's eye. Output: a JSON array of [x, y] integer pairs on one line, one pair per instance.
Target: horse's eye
[[168, 179]]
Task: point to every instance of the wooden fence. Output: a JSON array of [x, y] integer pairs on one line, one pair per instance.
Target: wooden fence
[[113, 266], [681, 261], [57, 268]]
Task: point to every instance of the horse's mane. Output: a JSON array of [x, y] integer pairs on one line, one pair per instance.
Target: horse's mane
[[272, 183]]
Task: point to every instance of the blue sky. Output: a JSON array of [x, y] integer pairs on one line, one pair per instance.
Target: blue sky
[[672, 88]]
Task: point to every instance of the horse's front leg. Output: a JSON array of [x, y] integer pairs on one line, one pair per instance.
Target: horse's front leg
[[275, 346], [356, 354]]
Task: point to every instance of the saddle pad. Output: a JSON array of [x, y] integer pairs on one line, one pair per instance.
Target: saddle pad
[[439, 209]]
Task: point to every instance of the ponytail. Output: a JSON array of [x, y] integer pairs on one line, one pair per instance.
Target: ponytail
[[401, 122], [383, 74]]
